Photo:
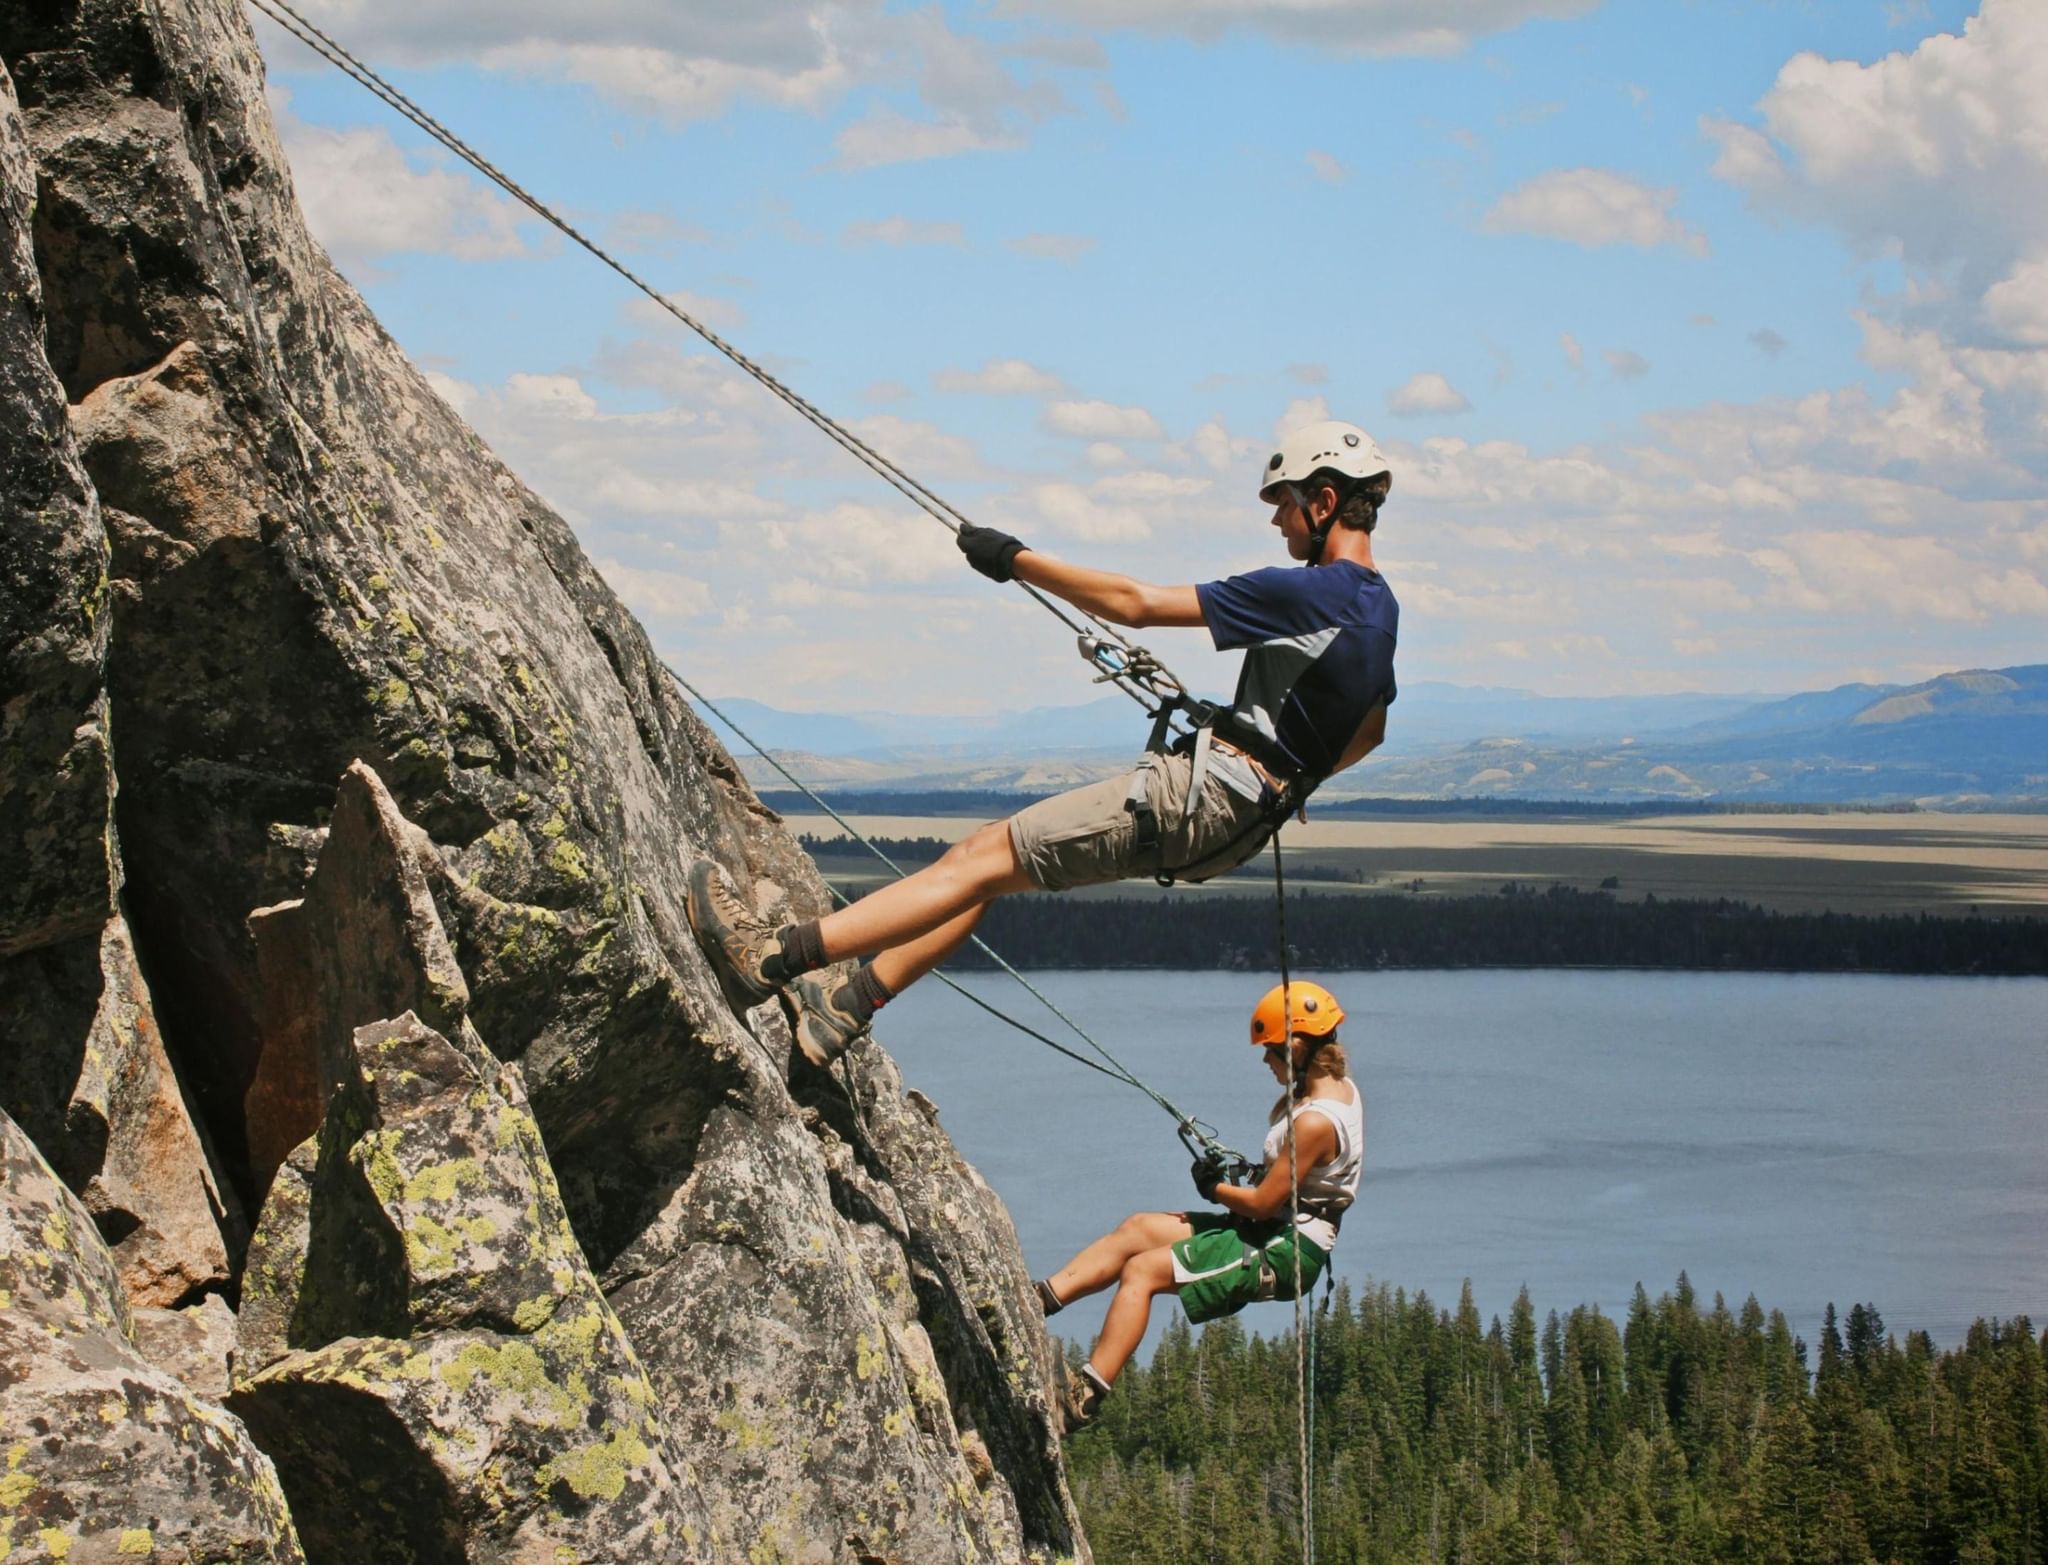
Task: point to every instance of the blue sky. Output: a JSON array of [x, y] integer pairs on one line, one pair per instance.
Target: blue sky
[[1709, 341]]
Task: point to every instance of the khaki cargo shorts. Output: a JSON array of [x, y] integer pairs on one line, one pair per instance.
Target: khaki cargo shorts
[[1086, 837]]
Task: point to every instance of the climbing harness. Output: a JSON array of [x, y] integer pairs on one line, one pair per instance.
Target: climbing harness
[[1198, 724]]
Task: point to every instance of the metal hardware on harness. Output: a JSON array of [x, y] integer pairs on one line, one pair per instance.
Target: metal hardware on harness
[[1147, 836], [1126, 662], [1201, 1142]]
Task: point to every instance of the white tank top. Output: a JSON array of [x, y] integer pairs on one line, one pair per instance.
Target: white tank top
[[1336, 1181]]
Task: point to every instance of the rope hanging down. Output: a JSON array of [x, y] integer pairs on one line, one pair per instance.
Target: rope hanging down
[[1303, 1410], [1118, 659]]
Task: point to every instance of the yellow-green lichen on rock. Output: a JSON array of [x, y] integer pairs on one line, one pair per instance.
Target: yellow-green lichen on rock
[[116, 1438], [509, 1379]]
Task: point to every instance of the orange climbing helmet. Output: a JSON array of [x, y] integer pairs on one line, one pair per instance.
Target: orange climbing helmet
[[1315, 1012]]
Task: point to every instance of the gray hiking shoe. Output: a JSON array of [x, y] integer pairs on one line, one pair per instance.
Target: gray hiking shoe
[[733, 935], [823, 1030], [1082, 1402]]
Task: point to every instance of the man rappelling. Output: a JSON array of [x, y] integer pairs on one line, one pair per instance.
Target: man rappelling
[[1311, 700]]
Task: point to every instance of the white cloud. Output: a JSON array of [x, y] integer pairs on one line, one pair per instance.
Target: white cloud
[[885, 136], [1593, 207], [919, 447], [1768, 342], [1213, 446], [648, 230], [1051, 247], [1427, 393], [2017, 304], [365, 198], [1101, 421], [1309, 374], [1574, 354], [1358, 26], [1001, 378], [1940, 152], [1073, 511], [897, 231], [1801, 536], [557, 395], [1327, 167], [712, 309], [1302, 410], [692, 62], [1625, 363], [657, 595]]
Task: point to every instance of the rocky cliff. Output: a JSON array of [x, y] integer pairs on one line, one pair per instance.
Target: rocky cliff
[[343, 970]]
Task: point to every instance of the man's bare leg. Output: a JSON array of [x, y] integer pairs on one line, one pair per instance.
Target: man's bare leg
[[901, 966], [977, 868]]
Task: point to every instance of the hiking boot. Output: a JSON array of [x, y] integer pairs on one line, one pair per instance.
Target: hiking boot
[[735, 938], [1083, 1399], [824, 1029]]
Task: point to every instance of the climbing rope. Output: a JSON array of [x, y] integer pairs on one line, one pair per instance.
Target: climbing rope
[[1191, 1129], [1119, 660], [1302, 1410]]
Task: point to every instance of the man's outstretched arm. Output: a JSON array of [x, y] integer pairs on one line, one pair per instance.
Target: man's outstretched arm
[[1122, 600]]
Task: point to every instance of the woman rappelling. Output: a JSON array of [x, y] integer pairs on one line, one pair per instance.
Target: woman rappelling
[[1279, 1219]]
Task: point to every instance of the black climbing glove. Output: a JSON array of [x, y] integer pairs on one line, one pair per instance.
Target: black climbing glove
[[992, 553], [1209, 1171]]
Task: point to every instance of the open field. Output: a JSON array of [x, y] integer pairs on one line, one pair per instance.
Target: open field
[[1850, 863]]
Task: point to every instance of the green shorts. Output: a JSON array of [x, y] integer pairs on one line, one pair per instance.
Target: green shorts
[[1231, 1262]]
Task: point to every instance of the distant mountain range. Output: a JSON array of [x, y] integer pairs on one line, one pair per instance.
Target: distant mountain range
[[1973, 737]]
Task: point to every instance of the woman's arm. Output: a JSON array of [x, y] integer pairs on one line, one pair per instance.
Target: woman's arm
[[1122, 600], [1315, 1143]]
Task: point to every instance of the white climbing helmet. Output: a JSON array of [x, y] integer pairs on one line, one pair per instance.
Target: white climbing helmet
[[1333, 444]]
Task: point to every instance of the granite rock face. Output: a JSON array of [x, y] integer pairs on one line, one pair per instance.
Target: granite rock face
[[104, 1458], [316, 572], [426, 1352], [82, 1064]]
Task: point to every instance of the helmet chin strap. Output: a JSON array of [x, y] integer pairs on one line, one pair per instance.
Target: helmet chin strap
[[1317, 536]]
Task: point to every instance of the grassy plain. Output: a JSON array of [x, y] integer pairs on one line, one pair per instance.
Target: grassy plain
[[1848, 863]]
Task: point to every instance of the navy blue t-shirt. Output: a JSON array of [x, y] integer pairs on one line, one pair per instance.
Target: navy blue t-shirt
[[1319, 653]]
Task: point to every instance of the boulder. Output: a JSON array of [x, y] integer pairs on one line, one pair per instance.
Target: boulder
[[364, 943], [83, 1066], [425, 1352], [196, 1344], [103, 1458]]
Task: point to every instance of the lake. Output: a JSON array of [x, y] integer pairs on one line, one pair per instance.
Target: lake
[[1805, 1138]]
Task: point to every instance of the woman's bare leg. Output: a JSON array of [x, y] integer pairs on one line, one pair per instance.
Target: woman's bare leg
[[978, 867], [1102, 1263], [1130, 1312]]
